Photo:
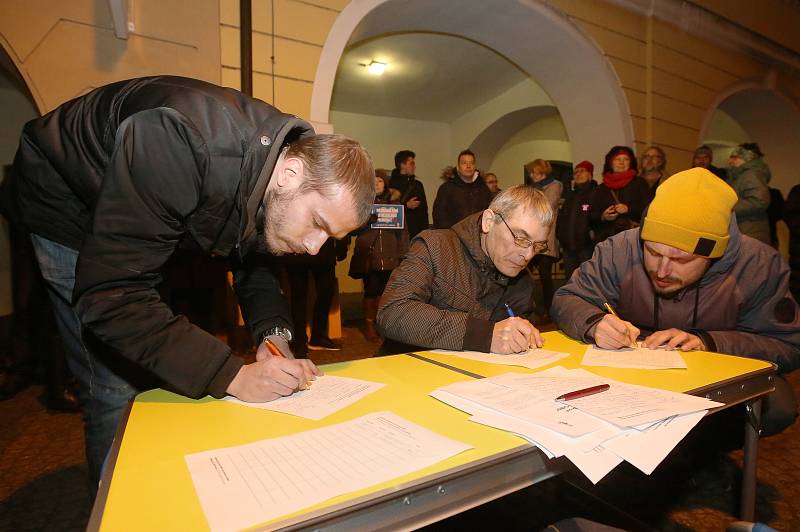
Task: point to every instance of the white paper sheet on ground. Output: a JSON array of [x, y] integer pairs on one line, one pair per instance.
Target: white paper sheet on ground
[[527, 403], [647, 448], [326, 395], [624, 405], [637, 358], [533, 358], [242, 486]]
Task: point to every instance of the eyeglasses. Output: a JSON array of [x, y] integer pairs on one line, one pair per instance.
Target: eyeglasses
[[538, 247]]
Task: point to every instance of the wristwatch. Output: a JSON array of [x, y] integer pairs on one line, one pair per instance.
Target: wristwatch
[[283, 332]]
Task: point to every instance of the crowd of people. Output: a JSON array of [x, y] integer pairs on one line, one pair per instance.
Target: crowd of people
[[112, 186]]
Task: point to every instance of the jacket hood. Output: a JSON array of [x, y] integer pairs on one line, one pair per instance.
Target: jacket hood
[[728, 259], [263, 150], [757, 166]]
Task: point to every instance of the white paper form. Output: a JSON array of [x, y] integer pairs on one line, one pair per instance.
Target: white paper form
[[625, 405], [526, 402], [647, 447], [533, 358], [586, 452], [637, 358], [248, 484], [326, 395]]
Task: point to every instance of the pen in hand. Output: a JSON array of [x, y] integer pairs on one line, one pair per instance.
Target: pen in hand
[[611, 311], [276, 352], [577, 394]]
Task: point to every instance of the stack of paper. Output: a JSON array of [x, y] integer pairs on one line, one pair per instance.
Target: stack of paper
[[626, 422], [533, 358]]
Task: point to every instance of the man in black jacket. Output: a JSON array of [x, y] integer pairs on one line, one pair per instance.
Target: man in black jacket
[[409, 191], [110, 184]]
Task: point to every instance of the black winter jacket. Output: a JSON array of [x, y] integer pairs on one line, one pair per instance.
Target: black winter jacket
[[572, 227], [130, 172], [456, 199]]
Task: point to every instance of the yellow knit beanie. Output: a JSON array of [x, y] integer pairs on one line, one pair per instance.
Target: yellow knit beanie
[[691, 211]]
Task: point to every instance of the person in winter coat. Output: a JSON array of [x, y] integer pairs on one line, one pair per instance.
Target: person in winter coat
[[409, 191], [463, 194], [688, 279], [110, 184], [572, 227], [618, 203], [455, 287], [749, 176], [539, 172], [377, 252]]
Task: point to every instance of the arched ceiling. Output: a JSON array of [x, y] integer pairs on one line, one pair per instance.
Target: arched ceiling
[[537, 38], [429, 76]]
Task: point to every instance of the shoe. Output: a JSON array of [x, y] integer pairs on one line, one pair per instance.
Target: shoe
[[63, 400], [316, 344]]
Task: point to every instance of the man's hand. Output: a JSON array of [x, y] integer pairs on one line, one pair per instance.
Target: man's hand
[[610, 214], [514, 335], [270, 378], [413, 203], [614, 333], [674, 339], [621, 208]]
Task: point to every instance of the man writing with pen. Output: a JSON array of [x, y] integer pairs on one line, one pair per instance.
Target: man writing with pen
[[465, 288], [688, 279]]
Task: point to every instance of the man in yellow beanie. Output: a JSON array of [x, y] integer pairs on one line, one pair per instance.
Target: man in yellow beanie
[[688, 279]]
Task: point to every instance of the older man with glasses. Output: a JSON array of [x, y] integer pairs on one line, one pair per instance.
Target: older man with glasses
[[464, 288]]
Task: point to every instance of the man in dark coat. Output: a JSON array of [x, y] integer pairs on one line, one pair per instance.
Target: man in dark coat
[[409, 191], [110, 184], [467, 288], [463, 194]]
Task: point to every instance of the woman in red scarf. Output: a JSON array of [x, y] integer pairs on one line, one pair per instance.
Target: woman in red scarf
[[617, 204]]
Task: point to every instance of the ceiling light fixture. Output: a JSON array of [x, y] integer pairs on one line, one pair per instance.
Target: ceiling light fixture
[[375, 68]]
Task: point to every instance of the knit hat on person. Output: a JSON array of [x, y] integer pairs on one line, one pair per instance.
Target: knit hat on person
[[586, 165], [704, 149], [744, 153], [691, 211]]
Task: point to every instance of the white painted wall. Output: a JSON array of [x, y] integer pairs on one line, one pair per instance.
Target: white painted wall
[[544, 139], [520, 96], [383, 137]]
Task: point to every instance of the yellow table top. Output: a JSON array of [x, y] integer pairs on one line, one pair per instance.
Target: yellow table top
[[151, 488]]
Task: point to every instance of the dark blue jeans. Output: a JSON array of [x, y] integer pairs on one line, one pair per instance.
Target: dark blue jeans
[[104, 394]]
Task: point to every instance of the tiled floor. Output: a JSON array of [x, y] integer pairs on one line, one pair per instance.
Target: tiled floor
[[42, 479]]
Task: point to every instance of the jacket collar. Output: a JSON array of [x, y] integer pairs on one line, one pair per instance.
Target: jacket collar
[[468, 231], [261, 154]]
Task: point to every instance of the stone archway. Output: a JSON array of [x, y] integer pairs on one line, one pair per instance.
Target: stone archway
[[769, 118], [564, 61]]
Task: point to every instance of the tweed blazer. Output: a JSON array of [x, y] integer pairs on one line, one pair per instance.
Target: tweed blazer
[[447, 294]]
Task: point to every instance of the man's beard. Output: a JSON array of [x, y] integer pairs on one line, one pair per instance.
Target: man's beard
[[668, 292], [276, 205]]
